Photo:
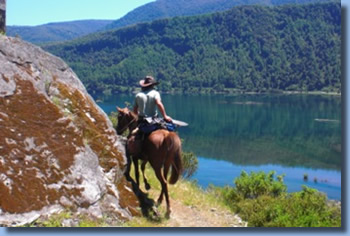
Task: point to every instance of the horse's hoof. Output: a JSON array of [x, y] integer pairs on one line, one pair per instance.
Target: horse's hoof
[[167, 214], [155, 212], [147, 186]]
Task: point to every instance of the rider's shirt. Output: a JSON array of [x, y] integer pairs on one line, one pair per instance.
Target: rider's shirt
[[146, 103]]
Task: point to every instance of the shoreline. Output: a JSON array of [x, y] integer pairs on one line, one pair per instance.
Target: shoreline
[[241, 92], [313, 93], [196, 91]]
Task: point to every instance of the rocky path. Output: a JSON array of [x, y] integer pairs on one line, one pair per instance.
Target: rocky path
[[192, 216]]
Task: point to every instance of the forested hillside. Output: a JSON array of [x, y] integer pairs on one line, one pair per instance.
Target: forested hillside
[[249, 48], [55, 32], [169, 8]]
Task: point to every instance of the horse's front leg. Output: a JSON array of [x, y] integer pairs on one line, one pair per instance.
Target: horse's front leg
[[143, 166], [128, 164], [132, 150], [136, 165]]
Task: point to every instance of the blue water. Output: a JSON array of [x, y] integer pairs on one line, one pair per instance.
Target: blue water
[[222, 173], [290, 134]]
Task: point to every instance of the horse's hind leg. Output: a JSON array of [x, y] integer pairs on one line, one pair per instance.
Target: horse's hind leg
[[166, 169], [143, 166], [163, 182]]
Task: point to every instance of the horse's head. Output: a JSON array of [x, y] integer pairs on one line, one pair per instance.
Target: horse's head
[[125, 120]]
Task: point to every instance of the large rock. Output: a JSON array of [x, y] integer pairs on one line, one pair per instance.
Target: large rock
[[58, 149]]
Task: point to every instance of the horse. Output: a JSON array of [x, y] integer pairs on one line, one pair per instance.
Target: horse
[[161, 148]]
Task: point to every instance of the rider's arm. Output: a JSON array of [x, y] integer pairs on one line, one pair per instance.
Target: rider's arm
[[162, 110]]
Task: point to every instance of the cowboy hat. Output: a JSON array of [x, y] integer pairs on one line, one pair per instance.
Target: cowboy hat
[[148, 81]]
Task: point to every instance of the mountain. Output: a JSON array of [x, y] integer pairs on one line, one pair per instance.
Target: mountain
[[248, 48], [54, 32], [63, 31], [169, 8], [50, 157]]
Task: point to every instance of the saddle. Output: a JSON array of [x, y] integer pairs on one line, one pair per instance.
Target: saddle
[[150, 124], [145, 128]]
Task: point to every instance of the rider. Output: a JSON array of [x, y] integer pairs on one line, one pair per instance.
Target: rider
[[146, 103]]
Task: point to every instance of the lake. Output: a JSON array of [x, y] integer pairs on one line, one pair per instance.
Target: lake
[[290, 134]]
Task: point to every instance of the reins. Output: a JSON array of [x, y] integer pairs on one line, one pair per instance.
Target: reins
[[127, 125]]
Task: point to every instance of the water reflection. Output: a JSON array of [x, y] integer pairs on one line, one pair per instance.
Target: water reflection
[[262, 129], [287, 130]]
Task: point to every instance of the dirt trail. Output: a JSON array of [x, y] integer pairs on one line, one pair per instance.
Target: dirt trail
[[192, 216], [190, 206]]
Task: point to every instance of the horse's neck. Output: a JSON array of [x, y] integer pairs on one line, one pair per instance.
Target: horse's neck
[[134, 118]]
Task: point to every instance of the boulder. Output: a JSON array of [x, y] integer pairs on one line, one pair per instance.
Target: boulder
[[58, 149]]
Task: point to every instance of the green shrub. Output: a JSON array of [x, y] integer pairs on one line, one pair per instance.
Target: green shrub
[[190, 164], [307, 208], [263, 201], [258, 184], [114, 118]]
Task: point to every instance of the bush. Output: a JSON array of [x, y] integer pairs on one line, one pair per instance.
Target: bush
[[114, 118], [190, 164], [307, 208], [264, 202], [258, 184]]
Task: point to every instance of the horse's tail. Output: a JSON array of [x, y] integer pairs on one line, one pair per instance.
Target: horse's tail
[[176, 164]]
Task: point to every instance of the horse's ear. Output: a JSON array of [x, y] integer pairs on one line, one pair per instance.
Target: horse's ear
[[119, 109]]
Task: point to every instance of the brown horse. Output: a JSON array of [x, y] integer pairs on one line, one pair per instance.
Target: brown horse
[[161, 149]]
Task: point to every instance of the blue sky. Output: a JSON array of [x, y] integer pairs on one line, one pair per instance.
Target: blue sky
[[37, 12]]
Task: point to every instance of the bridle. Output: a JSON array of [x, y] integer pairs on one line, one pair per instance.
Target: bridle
[[127, 125]]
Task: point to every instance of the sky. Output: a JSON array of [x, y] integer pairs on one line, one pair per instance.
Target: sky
[[38, 12]]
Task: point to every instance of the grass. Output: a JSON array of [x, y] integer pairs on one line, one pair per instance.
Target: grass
[[67, 219]]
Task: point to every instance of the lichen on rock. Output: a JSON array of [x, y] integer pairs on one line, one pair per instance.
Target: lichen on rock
[[58, 149]]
